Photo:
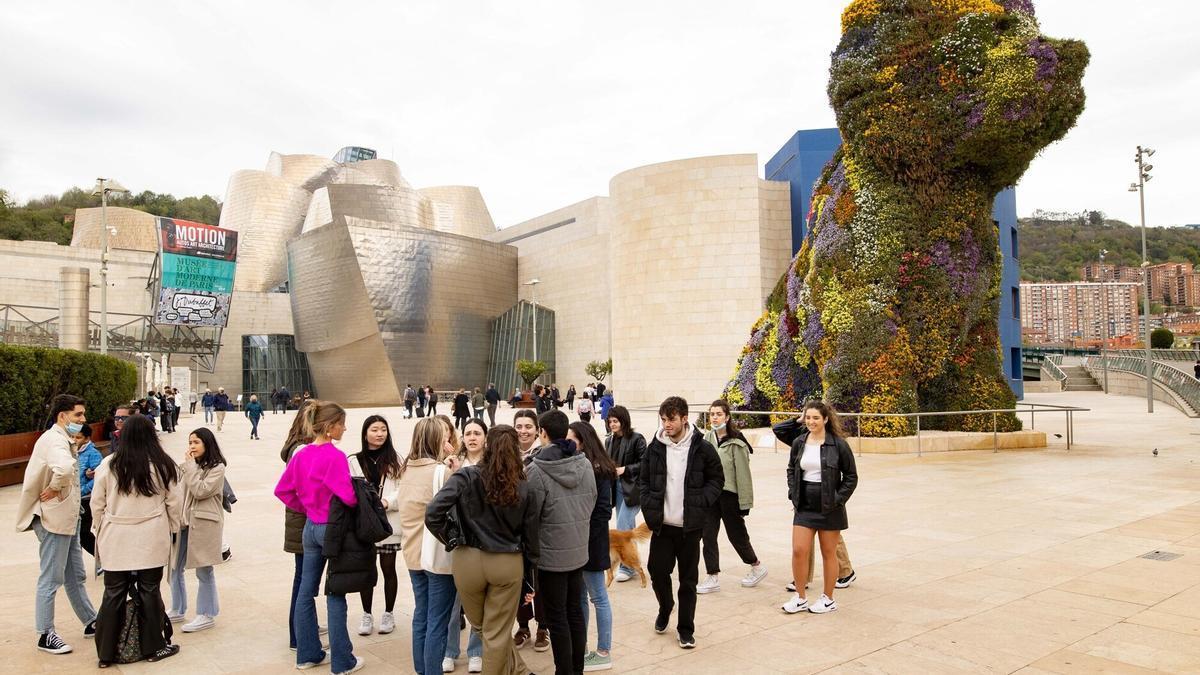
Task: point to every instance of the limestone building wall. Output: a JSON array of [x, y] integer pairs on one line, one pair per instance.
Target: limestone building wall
[[250, 313], [694, 255], [30, 271], [568, 251], [128, 229], [461, 210]]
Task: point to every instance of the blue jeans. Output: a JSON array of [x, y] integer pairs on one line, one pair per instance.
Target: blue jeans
[[453, 639], [61, 565], [208, 414], [253, 426], [206, 597], [308, 641], [433, 595], [593, 587], [626, 517]]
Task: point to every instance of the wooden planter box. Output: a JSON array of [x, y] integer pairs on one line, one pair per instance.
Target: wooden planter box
[[15, 450], [526, 400]]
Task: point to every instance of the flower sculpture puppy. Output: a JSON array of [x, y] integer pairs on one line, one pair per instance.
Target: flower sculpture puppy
[[891, 304]]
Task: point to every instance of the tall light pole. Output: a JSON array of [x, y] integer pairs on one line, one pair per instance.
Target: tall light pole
[[1140, 188], [532, 283], [1103, 322], [103, 187]]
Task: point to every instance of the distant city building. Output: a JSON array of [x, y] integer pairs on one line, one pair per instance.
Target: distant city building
[[1172, 284], [1053, 313]]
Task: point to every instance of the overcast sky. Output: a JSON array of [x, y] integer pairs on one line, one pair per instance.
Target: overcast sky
[[537, 103]]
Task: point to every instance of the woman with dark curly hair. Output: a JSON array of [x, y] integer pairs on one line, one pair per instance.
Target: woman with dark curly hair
[[488, 511]]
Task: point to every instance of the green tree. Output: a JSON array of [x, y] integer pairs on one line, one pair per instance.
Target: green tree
[[1162, 338], [599, 369], [48, 218], [530, 371]]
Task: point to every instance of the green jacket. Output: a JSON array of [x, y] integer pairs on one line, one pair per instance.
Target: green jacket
[[735, 461]]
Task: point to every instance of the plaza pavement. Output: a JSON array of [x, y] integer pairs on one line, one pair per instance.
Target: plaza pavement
[[967, 562]]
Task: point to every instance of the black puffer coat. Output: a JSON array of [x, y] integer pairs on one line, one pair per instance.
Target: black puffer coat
[[350, 538], [702, 484], [598, 559]]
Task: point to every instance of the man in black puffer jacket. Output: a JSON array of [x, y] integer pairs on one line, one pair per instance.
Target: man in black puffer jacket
[[350, 537], [680, 479]]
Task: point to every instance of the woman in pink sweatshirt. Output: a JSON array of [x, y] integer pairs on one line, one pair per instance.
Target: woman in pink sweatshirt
[[316, 473]]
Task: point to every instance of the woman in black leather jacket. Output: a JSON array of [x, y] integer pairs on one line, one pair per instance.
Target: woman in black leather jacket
[[488, 510], [626, 448]]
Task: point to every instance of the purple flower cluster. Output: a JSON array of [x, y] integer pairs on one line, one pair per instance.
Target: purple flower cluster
[[784, 368], [1015, 112], [1022, 6], [745, 377], [976, 116], [813, 332], [960, 266], [1046, 56], [794, 282]]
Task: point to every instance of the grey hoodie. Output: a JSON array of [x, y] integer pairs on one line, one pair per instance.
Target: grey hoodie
[[566, 483]]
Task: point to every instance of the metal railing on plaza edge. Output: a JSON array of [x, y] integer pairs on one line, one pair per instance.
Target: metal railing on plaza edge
[[1052, 364], [1181, 384], [1031, 408]]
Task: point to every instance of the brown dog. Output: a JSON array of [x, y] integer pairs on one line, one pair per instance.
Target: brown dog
[[622, 549]]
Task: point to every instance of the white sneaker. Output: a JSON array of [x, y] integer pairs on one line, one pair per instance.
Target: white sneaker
[[201, 622], [623, 575], [757, 573], [358, 665], [822, 606], [175, 618], [711, 584], [447, 665], [791, 586], [475, 664], [308, 665], [367, 625], [796, 605], [387, 623]]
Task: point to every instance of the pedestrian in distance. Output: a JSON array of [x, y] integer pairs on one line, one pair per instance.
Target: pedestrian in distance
[[626, 447], [221, 406], [821, 476], [497, 521], [316, 474], [492, 397], [477, 404], [564, 484], [421, 401], [461, 408], [605, 405], [176, 407], [89, 461], [192, 399], [737, 498], [208, 402], [680, 480], [410, 399], [584, 408], [598, 563], [1196, 369], [254, 412], [49, 506], [423, 474], [285, 398], [136, 507], [274, 399], [570, 400], [433, 400], [198, 545], [379, 464], [166, 409], [470, 453]]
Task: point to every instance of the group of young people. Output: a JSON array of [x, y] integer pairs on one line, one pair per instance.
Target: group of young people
[[510, 524], [140, 514]]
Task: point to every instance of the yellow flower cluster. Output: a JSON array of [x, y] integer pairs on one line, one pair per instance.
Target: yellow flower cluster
[[957, 8], [859, 11]]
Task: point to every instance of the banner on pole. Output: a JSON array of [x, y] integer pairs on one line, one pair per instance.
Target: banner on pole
[[198, 266]]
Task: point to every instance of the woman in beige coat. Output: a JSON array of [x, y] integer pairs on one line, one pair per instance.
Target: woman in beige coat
[[136, 505], [198, 545]]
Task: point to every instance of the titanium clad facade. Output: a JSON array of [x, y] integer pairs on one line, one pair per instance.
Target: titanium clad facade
[[367, 293]]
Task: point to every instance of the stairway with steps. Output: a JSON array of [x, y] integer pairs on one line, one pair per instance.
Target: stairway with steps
[[1078, 379]]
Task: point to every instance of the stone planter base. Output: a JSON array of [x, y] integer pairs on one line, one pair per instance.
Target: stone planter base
[[931, 441]]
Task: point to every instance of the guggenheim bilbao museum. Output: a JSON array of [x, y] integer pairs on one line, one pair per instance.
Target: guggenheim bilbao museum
[[351, 283]]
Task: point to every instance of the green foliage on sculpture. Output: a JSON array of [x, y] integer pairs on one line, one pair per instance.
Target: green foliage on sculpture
[[1161, 338], [891, 304]]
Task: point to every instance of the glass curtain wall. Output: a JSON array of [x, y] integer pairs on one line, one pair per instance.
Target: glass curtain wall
[[512, 340], [271, 361]]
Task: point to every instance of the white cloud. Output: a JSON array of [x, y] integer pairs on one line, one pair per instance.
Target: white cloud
[[537, 103]]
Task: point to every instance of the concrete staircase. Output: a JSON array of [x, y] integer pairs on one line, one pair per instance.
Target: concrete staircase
[[1078, 379]]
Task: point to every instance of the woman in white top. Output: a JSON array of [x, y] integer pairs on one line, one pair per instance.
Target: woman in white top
[[380, 465], [821, 477]]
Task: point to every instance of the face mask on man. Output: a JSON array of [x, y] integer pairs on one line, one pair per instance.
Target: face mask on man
[[74, 428]]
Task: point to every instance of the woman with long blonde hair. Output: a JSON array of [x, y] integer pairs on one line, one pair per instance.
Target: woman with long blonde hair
[[317, 473], [423, 475]]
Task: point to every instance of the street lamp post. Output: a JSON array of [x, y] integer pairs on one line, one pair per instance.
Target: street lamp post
[[1103, 322], [1140, 188], [532, 283], [103, 187]]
